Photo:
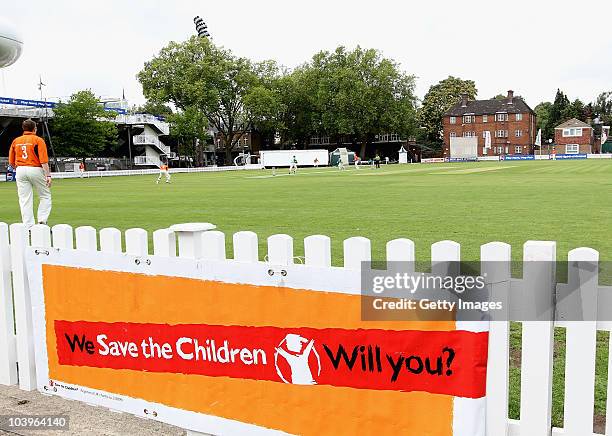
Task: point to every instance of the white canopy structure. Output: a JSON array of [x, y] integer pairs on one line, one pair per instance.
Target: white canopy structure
[[11, 44]]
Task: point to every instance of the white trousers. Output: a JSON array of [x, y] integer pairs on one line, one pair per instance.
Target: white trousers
[[164, 173], [29, 178]]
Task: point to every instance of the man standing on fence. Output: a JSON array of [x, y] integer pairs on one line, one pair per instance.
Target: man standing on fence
[[28, 154]]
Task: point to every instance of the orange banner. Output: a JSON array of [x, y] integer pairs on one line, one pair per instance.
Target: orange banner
[[80, 295]]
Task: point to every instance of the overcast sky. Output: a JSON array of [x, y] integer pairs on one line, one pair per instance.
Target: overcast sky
[[530, 46]]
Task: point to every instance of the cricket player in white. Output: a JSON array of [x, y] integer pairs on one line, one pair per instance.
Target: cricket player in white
[[293, 165], [28, 154], [163, 171]]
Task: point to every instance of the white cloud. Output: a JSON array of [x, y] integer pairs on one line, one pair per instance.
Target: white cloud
[[533, 47]]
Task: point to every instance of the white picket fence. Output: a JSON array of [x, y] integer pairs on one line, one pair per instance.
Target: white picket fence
[[143, 172], [537, 286]]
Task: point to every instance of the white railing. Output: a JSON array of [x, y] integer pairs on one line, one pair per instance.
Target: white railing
[[147, 160], [11, 111], [151, 140], [114, 173], [537, 285], [162, 126]]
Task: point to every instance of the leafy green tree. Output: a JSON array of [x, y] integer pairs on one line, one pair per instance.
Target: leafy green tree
[[542, 111], [558, 110], [265, 102], [603, 107], [153, 108], [196, 73], [82, 127], [575, 109], [300, 114], [440, 98], [189, 127], [360, 94]]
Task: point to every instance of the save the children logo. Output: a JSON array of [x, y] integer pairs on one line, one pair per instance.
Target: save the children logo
[[297, 352]]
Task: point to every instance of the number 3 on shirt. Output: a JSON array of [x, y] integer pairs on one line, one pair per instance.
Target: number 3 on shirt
[[24, 152]]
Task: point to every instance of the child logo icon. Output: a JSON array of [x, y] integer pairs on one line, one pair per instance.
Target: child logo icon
[[297, 356]]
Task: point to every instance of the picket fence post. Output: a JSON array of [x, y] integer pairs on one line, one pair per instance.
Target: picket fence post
[[86, 238], [280, 250], [62, 236], [317, 251], [164, 243], [356, 250], [136, 242], [23, 308], [213, 244], [246, 248], [110, 240], [538, 337], [581, 343], [495, 268], [8, 350]]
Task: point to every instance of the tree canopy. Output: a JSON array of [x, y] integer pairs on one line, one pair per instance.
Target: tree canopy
[[440, 98], [82, 127], [198, 74]]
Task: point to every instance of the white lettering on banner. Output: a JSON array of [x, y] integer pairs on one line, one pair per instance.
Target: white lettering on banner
[[191, 349]]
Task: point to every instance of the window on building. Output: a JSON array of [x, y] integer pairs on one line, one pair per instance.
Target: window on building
[[469, 119], [469, 134], [518, 149], [499, 150], [485, 118], [519, 117], [571, 149], [572, 131], [501, 117], [453, 120], [501, 133], [453, 135], [518, 133]]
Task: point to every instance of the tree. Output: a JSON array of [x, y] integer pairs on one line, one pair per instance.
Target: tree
[[558, 110], [82, 127], [542, 111], [360, 94], [299, 116], [603, 107], [440, 98], [153, 108], [198, 74], [575, 109], [189, 127]]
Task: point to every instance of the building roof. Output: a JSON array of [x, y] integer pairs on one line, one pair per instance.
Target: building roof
[[573, 122], [490, 107]]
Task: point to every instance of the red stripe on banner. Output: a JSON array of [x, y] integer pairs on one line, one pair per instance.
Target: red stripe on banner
[[442, 362]]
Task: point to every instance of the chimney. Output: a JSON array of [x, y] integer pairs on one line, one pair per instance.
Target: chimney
[[464, 100], [510, 96]]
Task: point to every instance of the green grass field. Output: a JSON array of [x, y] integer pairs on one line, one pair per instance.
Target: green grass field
[[472, 203]]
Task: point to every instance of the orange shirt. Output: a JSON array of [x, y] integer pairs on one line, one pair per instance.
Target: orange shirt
[[164, 167], [28, 150]]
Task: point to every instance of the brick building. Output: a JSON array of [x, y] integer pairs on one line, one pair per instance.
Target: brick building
[[573, 137], [510, 122]]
